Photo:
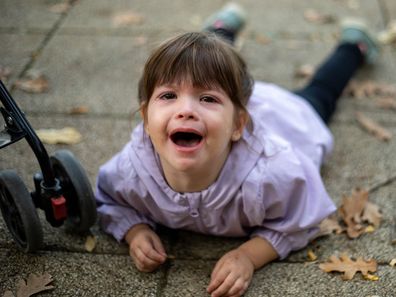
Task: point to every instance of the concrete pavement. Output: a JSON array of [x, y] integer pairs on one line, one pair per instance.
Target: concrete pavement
[[92, 57]]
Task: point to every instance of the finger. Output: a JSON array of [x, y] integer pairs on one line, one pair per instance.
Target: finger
[[158, 246], [150, 252], [236, 289], [145, 263], [217, 279], [225, 286]]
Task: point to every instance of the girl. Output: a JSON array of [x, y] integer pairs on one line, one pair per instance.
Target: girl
[[221, 155]]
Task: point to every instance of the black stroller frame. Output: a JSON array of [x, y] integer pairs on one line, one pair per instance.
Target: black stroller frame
[[62, 188]]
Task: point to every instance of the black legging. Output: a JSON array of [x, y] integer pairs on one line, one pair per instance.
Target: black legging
[[329, 80]]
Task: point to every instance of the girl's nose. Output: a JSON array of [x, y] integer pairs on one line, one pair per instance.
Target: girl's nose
[[186, 109]]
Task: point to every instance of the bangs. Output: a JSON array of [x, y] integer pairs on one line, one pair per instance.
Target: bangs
[[199, 58]]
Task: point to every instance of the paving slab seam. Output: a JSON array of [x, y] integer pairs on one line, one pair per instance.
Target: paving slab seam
[[36, 53]]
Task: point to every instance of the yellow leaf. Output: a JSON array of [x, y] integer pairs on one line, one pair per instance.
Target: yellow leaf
[[392, 262], [369, 229], [311, 255], [90, 243], [67, 135], [370, 277]]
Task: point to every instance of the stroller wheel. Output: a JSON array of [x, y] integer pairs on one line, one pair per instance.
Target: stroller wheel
[[19, 212], [76, 188]]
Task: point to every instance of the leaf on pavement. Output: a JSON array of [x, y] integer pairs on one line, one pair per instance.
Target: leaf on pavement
[[330, 225], [60, 7], [370, 88], [90, 243], [316, 17], [389, 35], [373, 127], [304, 71], [392, 263], [126, 18], [386, 103], [372, 214], [33, 85], [348, 266], [34, 284], [67, 135], [351, 211], [5, 72], [79, 110]]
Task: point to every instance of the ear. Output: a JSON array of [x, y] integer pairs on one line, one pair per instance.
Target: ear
[[241, 120]]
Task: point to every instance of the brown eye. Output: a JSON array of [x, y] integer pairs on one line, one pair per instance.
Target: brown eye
[[208, 99], [168, 96]]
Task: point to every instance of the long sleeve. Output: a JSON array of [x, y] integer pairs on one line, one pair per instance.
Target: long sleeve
[[294, 201], [116, 191]]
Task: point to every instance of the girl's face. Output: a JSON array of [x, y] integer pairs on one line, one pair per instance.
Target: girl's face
[[192, 128]]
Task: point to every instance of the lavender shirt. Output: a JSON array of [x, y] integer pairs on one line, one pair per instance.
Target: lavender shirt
[[270, 185]]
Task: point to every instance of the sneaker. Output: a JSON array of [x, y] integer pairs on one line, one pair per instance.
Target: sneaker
[[355, 31], [231, 18]]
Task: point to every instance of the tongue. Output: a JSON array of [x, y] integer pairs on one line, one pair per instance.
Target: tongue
[[187, 142]]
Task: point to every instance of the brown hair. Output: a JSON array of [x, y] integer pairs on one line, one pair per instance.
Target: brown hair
[[204, 59]]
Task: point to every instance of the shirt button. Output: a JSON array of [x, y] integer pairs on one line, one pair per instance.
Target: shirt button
[[194, 213]]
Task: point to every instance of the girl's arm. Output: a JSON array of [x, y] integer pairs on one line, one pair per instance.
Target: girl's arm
[[234, 271]]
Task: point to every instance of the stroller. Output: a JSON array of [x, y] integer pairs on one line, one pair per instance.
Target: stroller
[[62, 188]]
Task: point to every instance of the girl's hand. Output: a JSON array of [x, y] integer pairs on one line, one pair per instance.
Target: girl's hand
[[145, 248], [231, 275]]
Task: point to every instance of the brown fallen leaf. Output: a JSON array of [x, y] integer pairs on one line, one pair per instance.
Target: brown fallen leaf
[[351, 209], [314, 16], [90, 243], [311, 256], [373, 127], [330, 225], [33, 85], [348, 266], [262, 39], [372, 214], [79, 110], [369, 88], [5, 72], [67, 135], [126, 18], [34, 284], [389, 35], [304, 71], [370, 277], [60, 7], [386, 103]]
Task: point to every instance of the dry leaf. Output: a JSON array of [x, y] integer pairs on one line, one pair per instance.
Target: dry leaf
[[330, 225], [369, 88], [60, 8], [127, 18], [33, 85], [373, 127], [369, 229], [262, 39], [67, 135], [79, 110], [351, 210], [311, 255], [5, 72], [314, 16], [372, 214], [370, 277], [386, 103], [35, 283], [389, 35], [392, 263], [348, 266], [304, 71], [90, 243]]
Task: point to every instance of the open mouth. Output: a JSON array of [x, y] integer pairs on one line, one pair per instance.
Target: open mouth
[[186, 139]]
